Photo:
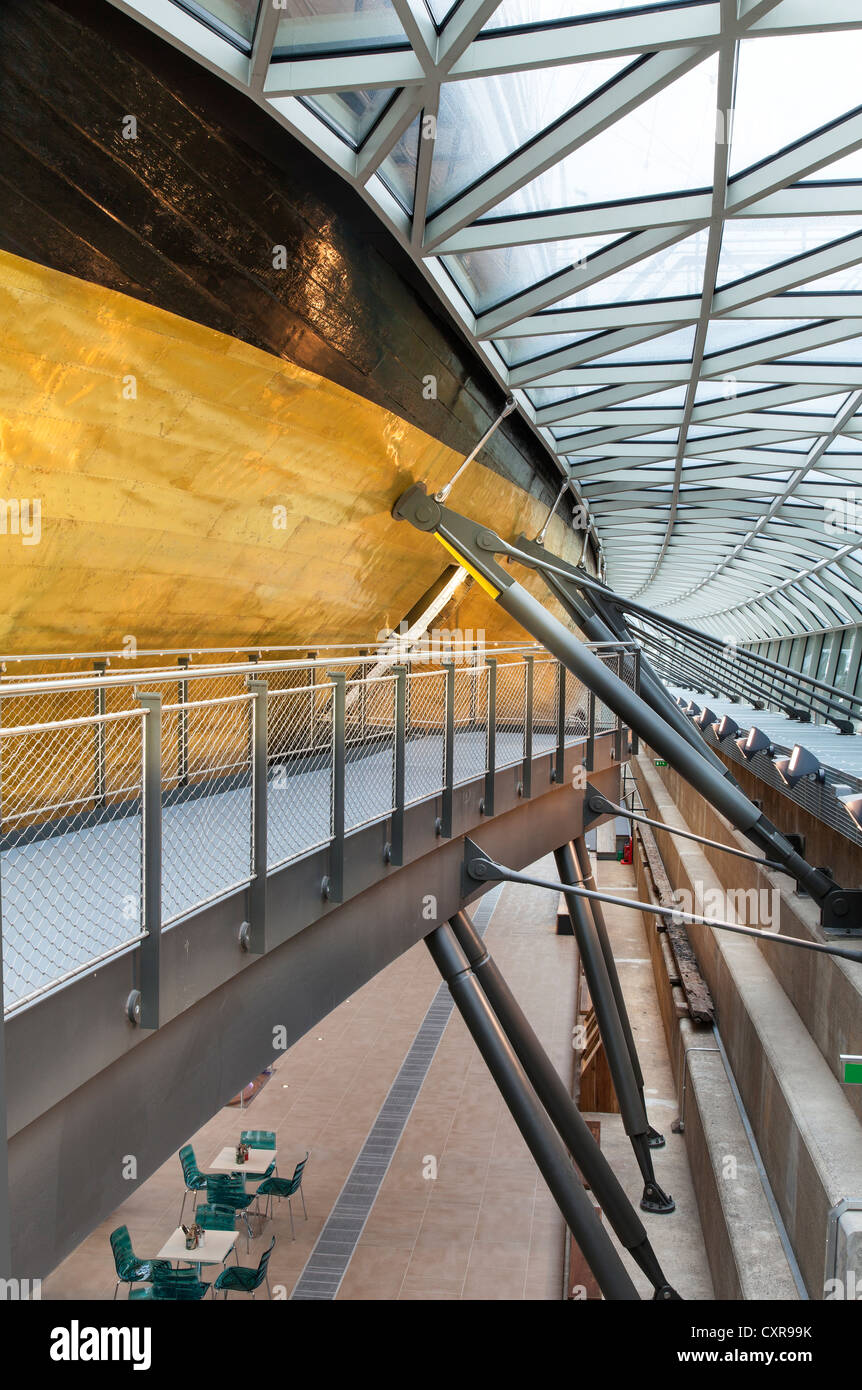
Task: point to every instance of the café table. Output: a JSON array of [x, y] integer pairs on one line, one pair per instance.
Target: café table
[[214, 1248], [257, 1162]]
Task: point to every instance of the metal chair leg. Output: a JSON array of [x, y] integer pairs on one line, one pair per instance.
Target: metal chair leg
[[116, 1287], [304, 1207], [292, 1227]]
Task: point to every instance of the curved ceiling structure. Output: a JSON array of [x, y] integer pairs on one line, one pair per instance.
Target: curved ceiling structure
[[648, 219]]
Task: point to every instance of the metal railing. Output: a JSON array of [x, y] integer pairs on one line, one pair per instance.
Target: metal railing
[[710, 665], [129, 801]]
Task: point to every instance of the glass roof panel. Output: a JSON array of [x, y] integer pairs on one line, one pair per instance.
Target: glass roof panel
[[786, 88], [849, 350], [828, 405], [352, 115], [752, 244], [398, 170], [846, 281], [671, 273], [484, 119], [674, 397], [849, 167], [553, 395], [239, 16], [519, 350], [337, 26], [666, 145], [498, 274], [727, 333], [670, 347], [441, 9], [520, 14]]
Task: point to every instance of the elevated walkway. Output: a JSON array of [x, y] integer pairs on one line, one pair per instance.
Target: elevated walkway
[[189, 884]]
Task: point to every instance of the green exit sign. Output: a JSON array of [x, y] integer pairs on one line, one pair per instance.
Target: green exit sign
[[661, 762], [852, 1070]]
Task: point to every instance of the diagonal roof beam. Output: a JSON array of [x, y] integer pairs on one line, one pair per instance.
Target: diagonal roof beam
[[724, 104], [846, 413], [604, 108]]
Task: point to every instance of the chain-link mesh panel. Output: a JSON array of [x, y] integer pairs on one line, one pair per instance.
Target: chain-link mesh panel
[[470, 757], [605, 717], [70, 850], [628, 669], [511, 712], [546, 691], [299, 759], [577, 709], [206, 813], [424, 752], [369, 774]]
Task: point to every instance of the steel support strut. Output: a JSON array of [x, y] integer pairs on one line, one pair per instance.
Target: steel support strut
[[582, 854], [616, 1037], [475, 547], [564, 1114], [541, 1138]]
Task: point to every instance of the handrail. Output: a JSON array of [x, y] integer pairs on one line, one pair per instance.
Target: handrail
[[119, 824]]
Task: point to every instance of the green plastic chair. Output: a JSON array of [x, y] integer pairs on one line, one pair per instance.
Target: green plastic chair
[[131, 1270], [228, 1190], [259, 1139], [174, 1285], [194, 1179], [286, 1187], [240, 1279], [215, 1218]]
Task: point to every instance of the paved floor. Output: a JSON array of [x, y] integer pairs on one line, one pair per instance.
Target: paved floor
[[461, 1212]]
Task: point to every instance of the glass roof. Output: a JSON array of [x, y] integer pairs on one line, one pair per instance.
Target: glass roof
[[649, 224]]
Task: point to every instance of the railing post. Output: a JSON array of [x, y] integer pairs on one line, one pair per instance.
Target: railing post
[[255, 941], [560, 768], [590, 759], [183, 726], [445, 823], [334, 886], [311, 656], [363, 695], [487, 807], [396, 848], [101, 779], [527, 768], [151, 859]]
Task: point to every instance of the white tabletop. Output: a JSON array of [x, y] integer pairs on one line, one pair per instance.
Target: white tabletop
[[258, 1161], [214, 1248]]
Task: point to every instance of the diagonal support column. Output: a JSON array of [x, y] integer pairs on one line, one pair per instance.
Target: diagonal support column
[[539, 1134], [628, 1083], [582, 854], [564, 1114]]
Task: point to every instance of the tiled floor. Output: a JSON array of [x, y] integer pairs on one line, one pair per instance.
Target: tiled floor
[[461, 1212]]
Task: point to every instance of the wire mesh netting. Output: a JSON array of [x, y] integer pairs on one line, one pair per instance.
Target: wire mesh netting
[[70, 867], [470, 723], [511, 712], [369, 733], [299, 763], [546, 696], [425, 750], [577, 708], [206, 801], [71, 768], [605, 717]]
